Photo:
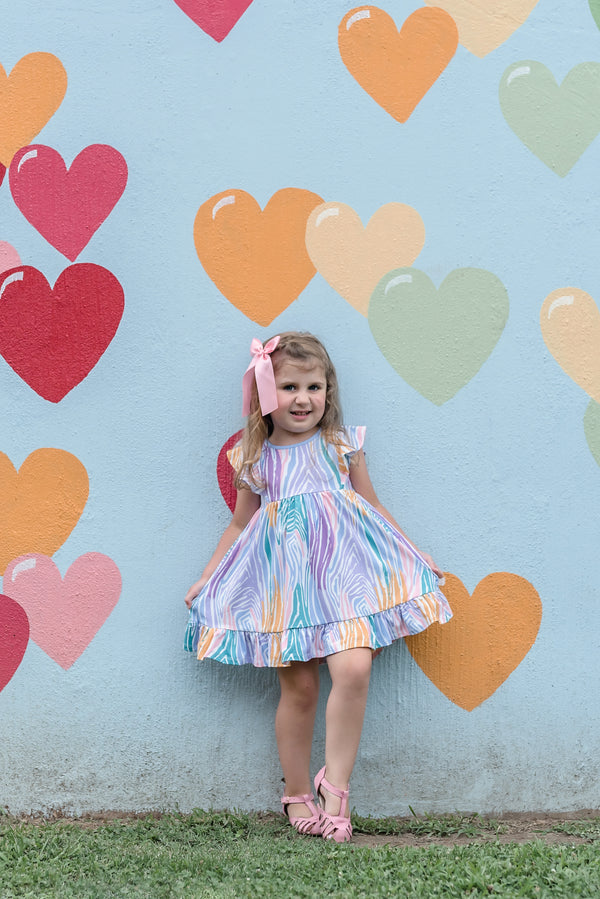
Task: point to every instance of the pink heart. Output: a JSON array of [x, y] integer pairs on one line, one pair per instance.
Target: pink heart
[[9, 258], [14, 634], [225, 471], [67, 207], [64, 615], [215, 17]]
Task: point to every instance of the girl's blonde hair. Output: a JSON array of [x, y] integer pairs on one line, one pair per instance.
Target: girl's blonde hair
[[305, 348]]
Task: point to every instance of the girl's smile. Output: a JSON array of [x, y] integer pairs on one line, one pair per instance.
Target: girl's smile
[[301, 392]]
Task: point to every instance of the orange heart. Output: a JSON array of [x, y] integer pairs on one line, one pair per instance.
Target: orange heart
[[257, 259], [397, 68], [41, 503], [490, 634], [29, 97]]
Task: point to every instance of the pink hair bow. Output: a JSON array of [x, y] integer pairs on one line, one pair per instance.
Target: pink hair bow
[[261, 367]]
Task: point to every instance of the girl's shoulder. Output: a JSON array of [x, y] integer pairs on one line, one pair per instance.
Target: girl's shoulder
[[350, 439]]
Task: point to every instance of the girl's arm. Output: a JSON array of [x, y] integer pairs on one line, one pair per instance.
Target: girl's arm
[[361, 482], [246, 504]]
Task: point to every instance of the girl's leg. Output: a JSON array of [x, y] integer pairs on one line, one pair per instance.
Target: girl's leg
[[350, 672], [294, 725]]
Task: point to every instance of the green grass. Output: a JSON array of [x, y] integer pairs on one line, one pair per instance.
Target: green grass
[[208, 854]]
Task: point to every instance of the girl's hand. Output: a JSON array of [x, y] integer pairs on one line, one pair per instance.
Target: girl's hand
[[194, 591], [437, 571]]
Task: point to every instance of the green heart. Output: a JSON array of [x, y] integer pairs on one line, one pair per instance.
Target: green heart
[[595, 8], [591, 427], [437, 340], [556, 123]]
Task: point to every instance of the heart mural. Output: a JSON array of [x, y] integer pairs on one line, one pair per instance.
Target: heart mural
[[53, 337], [485, 24], [14, 636], [591, 427], [570, 324], [437, 340], [41, 503], [9, 258], [215, 18], [595, 10], [353, 258], [29, 97], [67, 206], [557, 123], [225, 471], [490, 634], [397, 68], [64, 615], [257, 259], [2, 173]]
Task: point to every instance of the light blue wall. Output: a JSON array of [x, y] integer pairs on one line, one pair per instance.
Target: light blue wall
[[499, 478]]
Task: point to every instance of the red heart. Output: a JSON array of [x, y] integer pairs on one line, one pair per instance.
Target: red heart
[[225, 471], [53, 338], [67, 207], [2, 172], [215, 17], [14, 634]]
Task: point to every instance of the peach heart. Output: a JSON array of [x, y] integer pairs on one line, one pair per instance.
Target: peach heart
[[485, 24], [64, 615], [353, 259], [41, 503], [397, 68], [225, 473], [257, 259], [490, 634], [570, 323], [29, 97]]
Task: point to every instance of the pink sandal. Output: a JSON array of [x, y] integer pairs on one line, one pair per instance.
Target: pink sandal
[[306, 826], [333, 827]]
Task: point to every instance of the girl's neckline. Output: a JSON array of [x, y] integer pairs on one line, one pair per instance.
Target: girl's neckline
[[283, 446]]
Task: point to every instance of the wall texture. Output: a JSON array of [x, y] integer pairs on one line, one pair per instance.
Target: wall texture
[[418, 186]]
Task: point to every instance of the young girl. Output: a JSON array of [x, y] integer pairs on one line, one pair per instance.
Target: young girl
[[311, 567]]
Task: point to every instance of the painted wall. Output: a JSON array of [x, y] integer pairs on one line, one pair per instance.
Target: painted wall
[[417, 185]]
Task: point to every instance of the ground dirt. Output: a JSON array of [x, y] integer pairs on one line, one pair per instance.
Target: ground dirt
[[515, 827]]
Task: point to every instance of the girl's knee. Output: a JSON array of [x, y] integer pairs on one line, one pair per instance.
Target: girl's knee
[[300, 683], [351, 668]]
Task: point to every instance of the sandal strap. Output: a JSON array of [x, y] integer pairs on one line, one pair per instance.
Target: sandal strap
[[342, 795], [305, 798]]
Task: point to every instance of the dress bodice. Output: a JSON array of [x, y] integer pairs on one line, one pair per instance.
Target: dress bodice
[[310, 466]]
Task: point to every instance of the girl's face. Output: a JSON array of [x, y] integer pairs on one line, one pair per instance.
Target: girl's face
[[301, 391]]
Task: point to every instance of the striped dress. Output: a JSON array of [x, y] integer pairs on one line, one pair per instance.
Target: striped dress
[[317, 570]]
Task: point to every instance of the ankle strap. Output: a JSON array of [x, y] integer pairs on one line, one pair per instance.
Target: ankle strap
[[288, 800]]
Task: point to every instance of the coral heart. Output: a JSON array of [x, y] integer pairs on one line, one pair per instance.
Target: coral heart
[[258, 260], [437, 340], [215, 18], [14, 634], [41, 504], [29, 97], [397, 68], [557, 123], [225, 472], [591, 427], [67, 207], [9, 258], [570, 323], [490, 634], [64, 615], [53, 338], [485, 24], [352, 258]]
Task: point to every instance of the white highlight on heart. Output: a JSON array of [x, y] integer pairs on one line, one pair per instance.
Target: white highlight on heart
[[25, 565], [399, 279], [361, 14], [31, 155], [224, 201], [16, 276], [522, 70], [566, 300], [327, 213]]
